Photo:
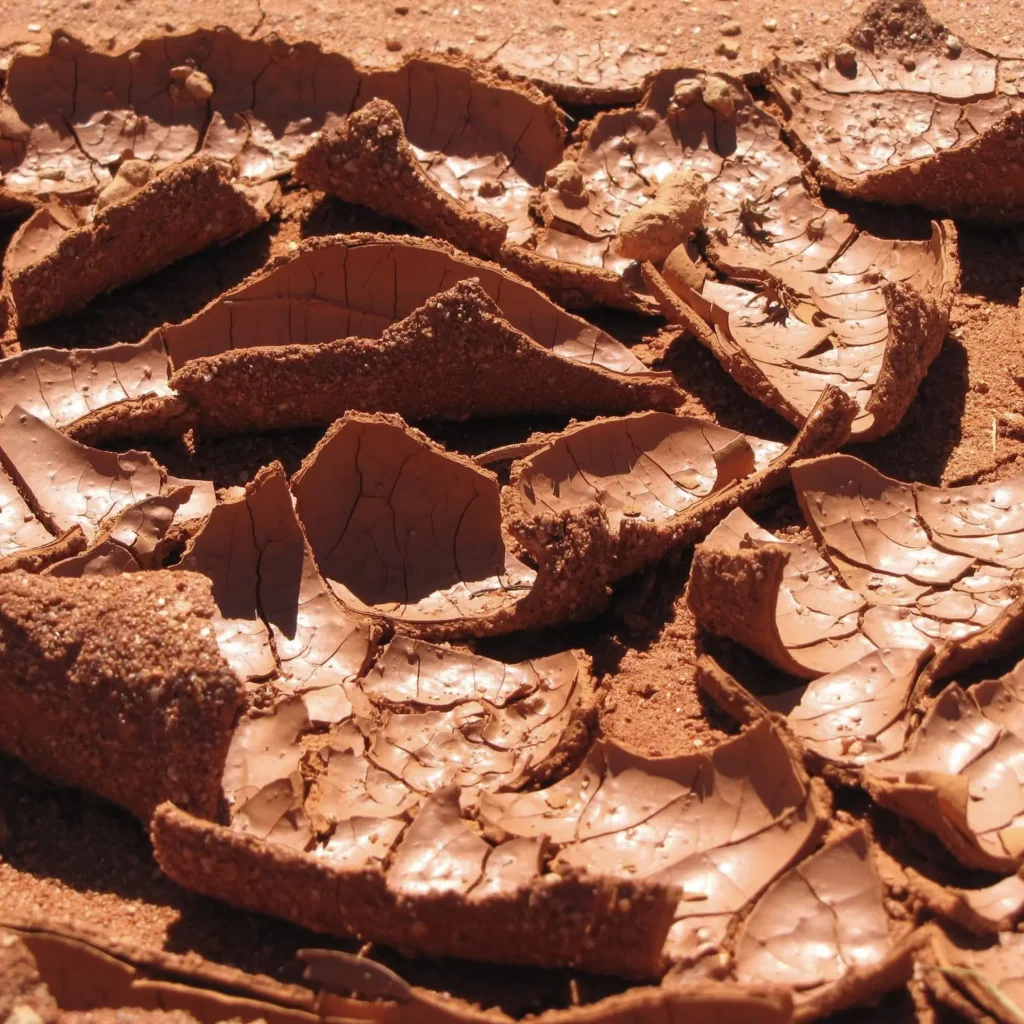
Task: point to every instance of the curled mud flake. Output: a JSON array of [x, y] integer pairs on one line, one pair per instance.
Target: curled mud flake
[[850, 717], [69, 484], [647, 468], [56, 265], [869, 320], [937, 563], [623, 816], [858, 714], [464, 166], [455, 357], [660, 481], [780, 598], [402, 530], [960, 775], [275, 614], [134, 540], [262, 782], [894, 579], [821, 924], [930, 127], [61, 386], [978, 981], [357, 286], [982, 911], [132, 675]]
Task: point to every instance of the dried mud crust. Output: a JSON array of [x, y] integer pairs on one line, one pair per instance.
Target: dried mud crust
[[910, 115], [324, 688]]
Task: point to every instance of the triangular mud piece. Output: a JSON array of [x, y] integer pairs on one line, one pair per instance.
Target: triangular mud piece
[[935, 123], [900, 566], [452, 359], [356, 286], [368, 160], [53, 267]]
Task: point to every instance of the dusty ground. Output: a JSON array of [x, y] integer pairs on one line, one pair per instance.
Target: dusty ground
[[572, 45], [70, 857]]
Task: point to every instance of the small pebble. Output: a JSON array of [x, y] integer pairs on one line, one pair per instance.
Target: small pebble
[[727, 49], [909, 63], [393, 44], [770, 24], [661, 50], [731, 28], [846, 59], [953, 46], [401, 8], [35, 28]]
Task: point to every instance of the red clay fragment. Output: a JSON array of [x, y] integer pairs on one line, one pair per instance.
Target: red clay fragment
[[179, 212], [130, 699], [63, 386], [933, 124], [69, 484], [957, 776], [823, 929], [356, 286], [424, 539], [274, 617], [367, 159], [900, 566], [454, 358], [870, 322], [565, 920]]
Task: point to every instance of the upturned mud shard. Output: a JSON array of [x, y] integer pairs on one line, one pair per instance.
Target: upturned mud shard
[[80, 128], [892, 565], [129, 698], [958, 776], [62, 258], [936, 122]]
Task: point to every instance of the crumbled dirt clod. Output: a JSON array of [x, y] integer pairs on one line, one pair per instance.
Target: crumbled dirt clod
[[669, 219]]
